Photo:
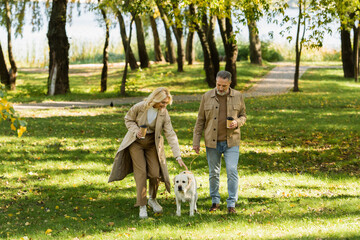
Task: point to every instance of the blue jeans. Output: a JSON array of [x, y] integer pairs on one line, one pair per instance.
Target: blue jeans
[[231, 156]]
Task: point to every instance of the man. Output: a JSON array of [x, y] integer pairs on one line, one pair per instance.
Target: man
[[216, 106]]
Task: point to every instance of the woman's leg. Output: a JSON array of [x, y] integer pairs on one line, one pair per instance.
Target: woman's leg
[[153, 167], [140, 174]]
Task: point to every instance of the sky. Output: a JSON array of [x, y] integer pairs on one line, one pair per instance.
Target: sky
[[85, 30]]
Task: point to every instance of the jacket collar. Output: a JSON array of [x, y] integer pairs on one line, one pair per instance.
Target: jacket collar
[[160, 112], [213, 92]]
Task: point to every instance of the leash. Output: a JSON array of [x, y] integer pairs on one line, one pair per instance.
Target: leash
[[193, 160]]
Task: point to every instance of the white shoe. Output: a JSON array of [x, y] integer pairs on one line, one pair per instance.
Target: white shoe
[[143, 212], [155, 205]]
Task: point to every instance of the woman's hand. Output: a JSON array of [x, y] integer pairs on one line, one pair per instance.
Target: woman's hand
[[139, 134], [181, 163]]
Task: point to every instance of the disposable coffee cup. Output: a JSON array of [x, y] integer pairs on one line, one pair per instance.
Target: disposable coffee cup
[[229, 121], [143, 129]]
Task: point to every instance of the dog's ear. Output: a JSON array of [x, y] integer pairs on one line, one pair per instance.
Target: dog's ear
[[174, 180], [189, 183]]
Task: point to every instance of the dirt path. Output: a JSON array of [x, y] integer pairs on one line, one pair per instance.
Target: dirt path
[[277, 81]]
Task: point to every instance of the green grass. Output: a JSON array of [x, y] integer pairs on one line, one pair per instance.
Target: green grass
[[299, 172], [85, 82]]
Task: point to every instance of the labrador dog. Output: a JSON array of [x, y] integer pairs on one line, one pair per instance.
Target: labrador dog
[[185, 191]]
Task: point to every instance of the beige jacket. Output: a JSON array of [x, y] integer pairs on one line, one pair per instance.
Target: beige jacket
[[208, 117], [135, 117]]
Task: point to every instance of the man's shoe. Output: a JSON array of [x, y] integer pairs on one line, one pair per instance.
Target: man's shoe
[[143, 212], [231, 210], [155, 205], [214, 207]]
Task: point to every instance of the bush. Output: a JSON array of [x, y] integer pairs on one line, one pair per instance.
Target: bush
[[269, 53], [332, 56], [243, 52]]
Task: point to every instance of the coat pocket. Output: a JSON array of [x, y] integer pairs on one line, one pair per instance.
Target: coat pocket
[[234, 109], [208, 110]]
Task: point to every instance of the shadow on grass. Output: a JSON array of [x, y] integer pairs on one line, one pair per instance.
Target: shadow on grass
[[93, 208]]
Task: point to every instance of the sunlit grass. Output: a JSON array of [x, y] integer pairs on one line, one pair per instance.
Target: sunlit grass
[[298, 172], [85, 81]]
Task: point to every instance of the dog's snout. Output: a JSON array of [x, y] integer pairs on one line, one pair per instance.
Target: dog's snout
[[180, 188]]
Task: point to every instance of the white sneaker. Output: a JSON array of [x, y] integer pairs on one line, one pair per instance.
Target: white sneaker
[[155, 205], [143, 212]]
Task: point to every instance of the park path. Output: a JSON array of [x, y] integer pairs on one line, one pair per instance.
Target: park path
[[278, 81]]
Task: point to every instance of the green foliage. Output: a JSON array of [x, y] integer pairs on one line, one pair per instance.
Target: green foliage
[[269, 53], [8, 114], [298, 171], [243, 52]]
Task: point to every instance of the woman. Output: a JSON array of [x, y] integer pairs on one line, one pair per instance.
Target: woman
[[146, 157]]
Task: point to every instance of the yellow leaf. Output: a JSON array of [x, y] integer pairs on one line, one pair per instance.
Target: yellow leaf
[[13, 127], [21, 130], [111, 224], [48, 231]]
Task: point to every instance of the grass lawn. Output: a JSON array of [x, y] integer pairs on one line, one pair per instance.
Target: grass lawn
[[85, 82], [299, 172]]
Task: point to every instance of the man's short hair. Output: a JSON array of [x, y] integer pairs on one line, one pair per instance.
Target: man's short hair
[[224, 74]]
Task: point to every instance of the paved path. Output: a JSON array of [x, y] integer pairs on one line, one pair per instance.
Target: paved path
[[277, 81]]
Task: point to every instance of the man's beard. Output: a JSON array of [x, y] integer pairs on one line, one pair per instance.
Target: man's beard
[[221, 93]]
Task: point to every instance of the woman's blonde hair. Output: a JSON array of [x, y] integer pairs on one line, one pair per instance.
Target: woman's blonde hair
[[158, 95]]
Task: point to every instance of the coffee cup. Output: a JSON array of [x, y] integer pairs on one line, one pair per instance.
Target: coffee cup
[[143, 129], [229, 121]]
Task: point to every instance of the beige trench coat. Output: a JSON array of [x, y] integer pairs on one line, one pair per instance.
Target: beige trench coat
[[135, 117]]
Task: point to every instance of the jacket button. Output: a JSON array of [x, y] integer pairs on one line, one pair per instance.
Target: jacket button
[[215, 118], [213, 140], [214, 129], [216, 107]]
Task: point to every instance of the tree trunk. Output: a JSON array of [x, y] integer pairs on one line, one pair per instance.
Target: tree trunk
[[104, 72], [347, 53], [127, 58], [143, 56], [297, 51], [212, 44], [189, 49], [356, 51], [255, 44], [157, 47], [230, 46], [58, 81], [4, 74], [208, 63], [170, 50], [132, 60], [13, 69], [179, 35]]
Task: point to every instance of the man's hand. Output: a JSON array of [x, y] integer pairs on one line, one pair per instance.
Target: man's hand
[[196, 149], [233, 124]]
